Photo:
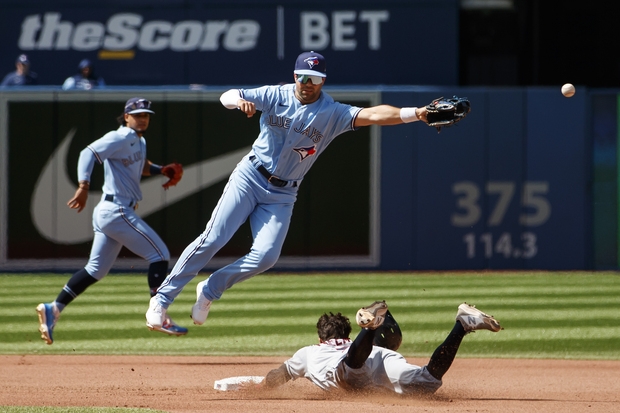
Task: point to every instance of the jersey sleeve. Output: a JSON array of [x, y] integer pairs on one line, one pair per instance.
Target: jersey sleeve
[[344, 118], [106, 146], [69, 83], [86, 162], [297, 365], [263, 97]]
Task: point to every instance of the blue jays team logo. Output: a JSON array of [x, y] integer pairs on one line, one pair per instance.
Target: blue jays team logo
[[305, 152], [312, 61]]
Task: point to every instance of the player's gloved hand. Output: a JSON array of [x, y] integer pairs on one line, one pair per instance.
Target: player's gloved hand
[[174, 172], [446, 112]]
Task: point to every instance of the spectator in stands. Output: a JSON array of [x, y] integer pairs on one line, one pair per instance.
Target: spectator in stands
[[22, 76], [85, 79]]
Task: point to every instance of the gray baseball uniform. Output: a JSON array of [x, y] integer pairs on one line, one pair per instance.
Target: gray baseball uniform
[[323, 365], [338, 362]]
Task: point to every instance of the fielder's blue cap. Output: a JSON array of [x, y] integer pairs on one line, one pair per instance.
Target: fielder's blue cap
[[311, 63], [85, 63], [138, 105], [23, 59]]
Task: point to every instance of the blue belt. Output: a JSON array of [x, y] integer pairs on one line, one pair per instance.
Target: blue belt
[[110, 198], [272, 179]]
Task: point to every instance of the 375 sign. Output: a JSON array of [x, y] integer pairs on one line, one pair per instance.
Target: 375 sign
[[498, 197]]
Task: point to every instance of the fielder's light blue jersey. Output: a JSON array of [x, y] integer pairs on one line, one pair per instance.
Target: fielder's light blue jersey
[[291, 137], [292, 134], [123, 154]]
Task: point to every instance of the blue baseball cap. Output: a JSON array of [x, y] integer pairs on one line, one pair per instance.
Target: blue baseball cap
[[138, 105], [311, 63], [23, 59], [85, 63]]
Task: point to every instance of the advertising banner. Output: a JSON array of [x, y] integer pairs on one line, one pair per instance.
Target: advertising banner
[[232, 42]]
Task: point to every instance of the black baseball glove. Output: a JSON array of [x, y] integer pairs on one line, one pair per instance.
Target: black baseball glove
[[446, 112]]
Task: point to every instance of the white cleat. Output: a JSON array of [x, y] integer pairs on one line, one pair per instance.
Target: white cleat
[[155, 315], [200, 310], [473, 319]]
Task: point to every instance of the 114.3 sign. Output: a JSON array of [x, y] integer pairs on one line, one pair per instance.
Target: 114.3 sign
[[535, 206]]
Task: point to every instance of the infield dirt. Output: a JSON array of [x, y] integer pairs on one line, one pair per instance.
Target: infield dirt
[[185, 384]]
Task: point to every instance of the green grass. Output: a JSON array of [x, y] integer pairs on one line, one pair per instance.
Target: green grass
[[562, 315]]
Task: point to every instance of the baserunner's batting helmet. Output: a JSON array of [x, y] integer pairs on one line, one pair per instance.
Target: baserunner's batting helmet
[[388, 335]]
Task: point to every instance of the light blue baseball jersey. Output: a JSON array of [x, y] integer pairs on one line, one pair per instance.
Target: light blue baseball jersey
[[123, 154], [292, 134], [291, 137]]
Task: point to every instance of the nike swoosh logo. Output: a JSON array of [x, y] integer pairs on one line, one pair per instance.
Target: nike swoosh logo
[[60, 224]]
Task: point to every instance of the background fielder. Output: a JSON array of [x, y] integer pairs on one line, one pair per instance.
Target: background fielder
[[115, 222], [297, 123]]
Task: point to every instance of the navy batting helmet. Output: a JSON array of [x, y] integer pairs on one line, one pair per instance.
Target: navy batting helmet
[[388, 335]]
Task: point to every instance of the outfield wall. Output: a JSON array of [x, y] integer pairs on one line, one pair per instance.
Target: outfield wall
[[508, 188]]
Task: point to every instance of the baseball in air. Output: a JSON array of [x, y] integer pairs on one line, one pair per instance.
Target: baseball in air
[[568, 90]]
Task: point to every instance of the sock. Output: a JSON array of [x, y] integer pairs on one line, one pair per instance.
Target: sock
[[444, 355], [77, 284], [360, 349], [157, 274]]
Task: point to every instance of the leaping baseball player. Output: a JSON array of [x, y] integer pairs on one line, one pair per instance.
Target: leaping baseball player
[[115, 222], [371, 361], [297, 123]]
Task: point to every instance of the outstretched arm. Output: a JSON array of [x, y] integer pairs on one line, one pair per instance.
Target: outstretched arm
[[389, 115], [277, 377]]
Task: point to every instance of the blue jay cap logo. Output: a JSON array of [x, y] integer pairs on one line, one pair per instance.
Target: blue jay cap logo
[[311, 63], [23, 59], [138, 105]]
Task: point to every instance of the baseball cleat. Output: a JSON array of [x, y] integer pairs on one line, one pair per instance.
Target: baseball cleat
[[372, 317], [155, 315], [473, 319], [48, 315], [171, 328], [200, 310]]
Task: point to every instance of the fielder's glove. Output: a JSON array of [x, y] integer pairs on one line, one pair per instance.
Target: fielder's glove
[[174, 172], [446, 112]]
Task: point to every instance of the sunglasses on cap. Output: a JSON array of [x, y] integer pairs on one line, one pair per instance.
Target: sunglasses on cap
[[138, 104], [303, 79]]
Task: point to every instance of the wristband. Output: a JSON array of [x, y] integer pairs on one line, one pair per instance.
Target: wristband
[[155, 169], [84, 185], [408, 115]]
